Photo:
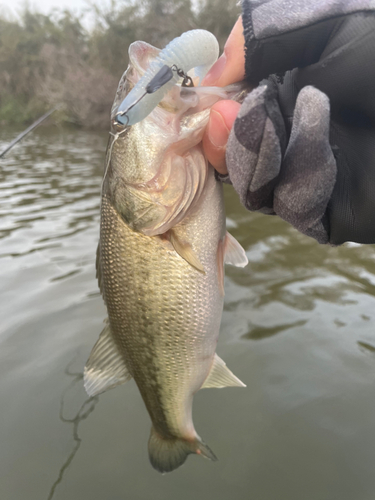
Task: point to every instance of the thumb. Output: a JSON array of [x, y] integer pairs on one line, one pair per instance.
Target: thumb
[[223, 115], [230, 67]]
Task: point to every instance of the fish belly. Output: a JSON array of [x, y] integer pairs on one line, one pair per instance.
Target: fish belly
[[165, 314]]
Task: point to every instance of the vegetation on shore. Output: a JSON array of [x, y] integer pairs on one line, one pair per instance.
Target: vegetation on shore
[[45, 60]]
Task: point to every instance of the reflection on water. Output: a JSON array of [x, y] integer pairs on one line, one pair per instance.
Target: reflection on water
[[297, 329], [86, 408], [260, 332]]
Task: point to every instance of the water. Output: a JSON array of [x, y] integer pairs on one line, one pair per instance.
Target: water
[[297, 329]]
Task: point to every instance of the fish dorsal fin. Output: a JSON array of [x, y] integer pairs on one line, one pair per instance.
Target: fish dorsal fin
[[221, 376], [105, 367], [185, 250], [234, 254]]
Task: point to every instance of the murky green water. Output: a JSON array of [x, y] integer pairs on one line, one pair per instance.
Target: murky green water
[[298, 329]]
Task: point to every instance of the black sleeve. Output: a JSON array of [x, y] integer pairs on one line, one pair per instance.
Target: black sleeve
[[318, 62]]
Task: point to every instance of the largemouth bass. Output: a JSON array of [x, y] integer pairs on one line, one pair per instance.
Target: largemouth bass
[[160, 261]]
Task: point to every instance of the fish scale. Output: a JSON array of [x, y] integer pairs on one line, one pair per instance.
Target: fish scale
[[179, 327]]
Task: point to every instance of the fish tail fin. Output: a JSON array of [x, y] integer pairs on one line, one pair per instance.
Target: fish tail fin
[[167, 455]]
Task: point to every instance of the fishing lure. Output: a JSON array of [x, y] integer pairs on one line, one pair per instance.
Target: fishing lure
[[163, 76], [196, 49]]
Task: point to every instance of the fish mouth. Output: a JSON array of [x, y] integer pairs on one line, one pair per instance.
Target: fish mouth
[[141, 54]]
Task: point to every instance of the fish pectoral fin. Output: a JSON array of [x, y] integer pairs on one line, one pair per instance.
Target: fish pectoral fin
[[229, 251], [185, 250], [234, 254], [105, 367], [220, 376]]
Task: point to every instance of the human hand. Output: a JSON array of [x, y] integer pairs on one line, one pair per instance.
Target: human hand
[[229, 68]]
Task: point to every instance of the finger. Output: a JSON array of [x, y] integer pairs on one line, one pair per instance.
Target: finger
[[230, 67], [309, 170], [222, 117]]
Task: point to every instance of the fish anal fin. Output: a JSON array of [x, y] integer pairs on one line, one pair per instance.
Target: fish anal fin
[[220, 376], [185, 250], [105, 367], [234, 254]]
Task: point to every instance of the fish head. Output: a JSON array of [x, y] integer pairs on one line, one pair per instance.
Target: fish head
[[156, 167]]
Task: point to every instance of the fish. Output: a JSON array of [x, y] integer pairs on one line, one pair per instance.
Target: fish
[[161, 254]]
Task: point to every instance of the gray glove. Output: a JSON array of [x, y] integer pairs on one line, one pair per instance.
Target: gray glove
[[303, 144], [295, 182]]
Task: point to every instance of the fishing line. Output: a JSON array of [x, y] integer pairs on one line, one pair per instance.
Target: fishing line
[[116, 136]]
